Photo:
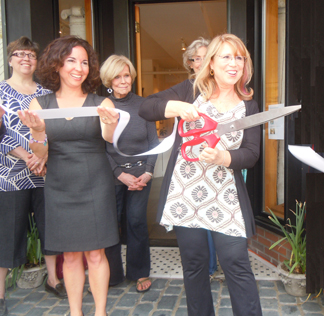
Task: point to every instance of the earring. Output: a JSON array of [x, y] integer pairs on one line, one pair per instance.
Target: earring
[[211, 72], [109, 90]]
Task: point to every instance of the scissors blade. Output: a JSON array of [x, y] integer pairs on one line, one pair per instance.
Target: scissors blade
[[256, 119]]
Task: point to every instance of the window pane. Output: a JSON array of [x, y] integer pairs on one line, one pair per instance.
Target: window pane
[[76, 18]]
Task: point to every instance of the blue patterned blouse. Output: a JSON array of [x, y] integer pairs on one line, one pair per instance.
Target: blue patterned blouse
[[14, 174]]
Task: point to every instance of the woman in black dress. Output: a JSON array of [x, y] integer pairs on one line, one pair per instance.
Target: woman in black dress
[[79, 189]]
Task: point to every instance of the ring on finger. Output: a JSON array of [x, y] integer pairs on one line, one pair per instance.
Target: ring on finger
[[104, 118]]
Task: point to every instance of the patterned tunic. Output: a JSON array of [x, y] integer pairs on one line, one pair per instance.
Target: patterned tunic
[[203, 195], [14, 174]]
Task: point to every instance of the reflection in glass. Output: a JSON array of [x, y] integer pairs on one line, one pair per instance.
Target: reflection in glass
[[274, 94], [76, 18]]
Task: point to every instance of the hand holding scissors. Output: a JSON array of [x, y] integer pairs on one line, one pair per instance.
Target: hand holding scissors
[[220, 129], [211, 139]]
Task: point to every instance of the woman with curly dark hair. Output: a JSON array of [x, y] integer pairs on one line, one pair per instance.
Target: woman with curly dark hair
[[79, 189]]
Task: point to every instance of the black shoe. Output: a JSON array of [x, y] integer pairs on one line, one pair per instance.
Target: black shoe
[[59, 290], [3, 307]]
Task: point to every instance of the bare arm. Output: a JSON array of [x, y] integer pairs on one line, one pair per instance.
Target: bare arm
[[2, 127], [108, 119], [37, 129], [2, 111]]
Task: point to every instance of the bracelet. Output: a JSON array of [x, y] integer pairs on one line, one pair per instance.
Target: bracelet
[[223, 158], [149, 173], [33, 140]]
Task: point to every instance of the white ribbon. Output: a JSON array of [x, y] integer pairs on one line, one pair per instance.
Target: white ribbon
[[124, 118]]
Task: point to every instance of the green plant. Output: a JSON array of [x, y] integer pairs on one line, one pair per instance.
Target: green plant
[[34, 254], [295, 236]]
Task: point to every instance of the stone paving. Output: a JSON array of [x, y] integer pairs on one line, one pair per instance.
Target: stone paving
[[165, 298]]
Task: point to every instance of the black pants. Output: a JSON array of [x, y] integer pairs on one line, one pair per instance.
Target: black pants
[[234, 260], [14, 209], [138, 252]]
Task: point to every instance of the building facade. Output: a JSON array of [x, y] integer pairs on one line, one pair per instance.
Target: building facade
[[286, 42]]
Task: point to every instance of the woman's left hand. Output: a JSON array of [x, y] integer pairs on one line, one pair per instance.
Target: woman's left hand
[[107, 115], [142, 180], [212, 155]]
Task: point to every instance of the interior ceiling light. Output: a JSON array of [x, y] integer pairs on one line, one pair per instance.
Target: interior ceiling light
[[183, 45]]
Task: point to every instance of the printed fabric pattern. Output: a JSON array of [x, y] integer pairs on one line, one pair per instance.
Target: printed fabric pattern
[[204, 195], [14, 174]]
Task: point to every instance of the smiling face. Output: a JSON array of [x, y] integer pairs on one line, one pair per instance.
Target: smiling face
[[75, 68], [226, 72], [122, 83], [23, 66]]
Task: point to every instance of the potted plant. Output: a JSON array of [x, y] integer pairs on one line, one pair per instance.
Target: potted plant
[[293, 271], [32, 273]]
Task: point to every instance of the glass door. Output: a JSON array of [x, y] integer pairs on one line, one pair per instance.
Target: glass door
[[163, 31]]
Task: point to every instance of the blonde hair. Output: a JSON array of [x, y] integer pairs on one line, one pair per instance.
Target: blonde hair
[[206, 83], [192, 50], [113, 66]]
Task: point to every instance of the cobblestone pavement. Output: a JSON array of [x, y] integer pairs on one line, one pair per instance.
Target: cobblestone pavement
[[165, 298]]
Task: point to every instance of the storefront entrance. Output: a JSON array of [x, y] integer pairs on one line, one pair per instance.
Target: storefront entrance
[[162, 33]]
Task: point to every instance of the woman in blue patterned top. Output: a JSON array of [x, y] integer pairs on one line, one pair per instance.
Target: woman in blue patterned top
[[21, 171]]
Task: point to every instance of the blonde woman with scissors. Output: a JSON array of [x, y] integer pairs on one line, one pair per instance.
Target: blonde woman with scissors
[[210, 194]]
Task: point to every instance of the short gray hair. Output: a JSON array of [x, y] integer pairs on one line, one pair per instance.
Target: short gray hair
[[113, 66], [192, 51]]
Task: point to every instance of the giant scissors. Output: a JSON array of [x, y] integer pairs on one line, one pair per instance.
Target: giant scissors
[[221, 129]]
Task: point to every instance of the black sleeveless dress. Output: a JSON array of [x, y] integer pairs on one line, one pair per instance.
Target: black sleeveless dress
[[80, 205]]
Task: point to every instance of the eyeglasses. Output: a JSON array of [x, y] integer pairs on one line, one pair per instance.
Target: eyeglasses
[[226, 59], [23, 55], [197, 59]]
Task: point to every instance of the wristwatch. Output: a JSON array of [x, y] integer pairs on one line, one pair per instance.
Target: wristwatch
[[149, 173]]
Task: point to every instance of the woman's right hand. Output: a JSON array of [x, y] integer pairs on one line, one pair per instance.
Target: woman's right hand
[[36, 164], [31, 120], [187, 111], [128, 179]]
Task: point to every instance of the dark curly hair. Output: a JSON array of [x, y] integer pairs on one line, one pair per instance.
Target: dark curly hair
[[53, 58]]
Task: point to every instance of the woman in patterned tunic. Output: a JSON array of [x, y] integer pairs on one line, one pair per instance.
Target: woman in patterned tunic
[[192, 61], [21, 171], [210, 194], [80, 202]]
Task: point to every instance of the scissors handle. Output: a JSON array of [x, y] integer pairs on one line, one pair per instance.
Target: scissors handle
[[211, 140], [209, 125]]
